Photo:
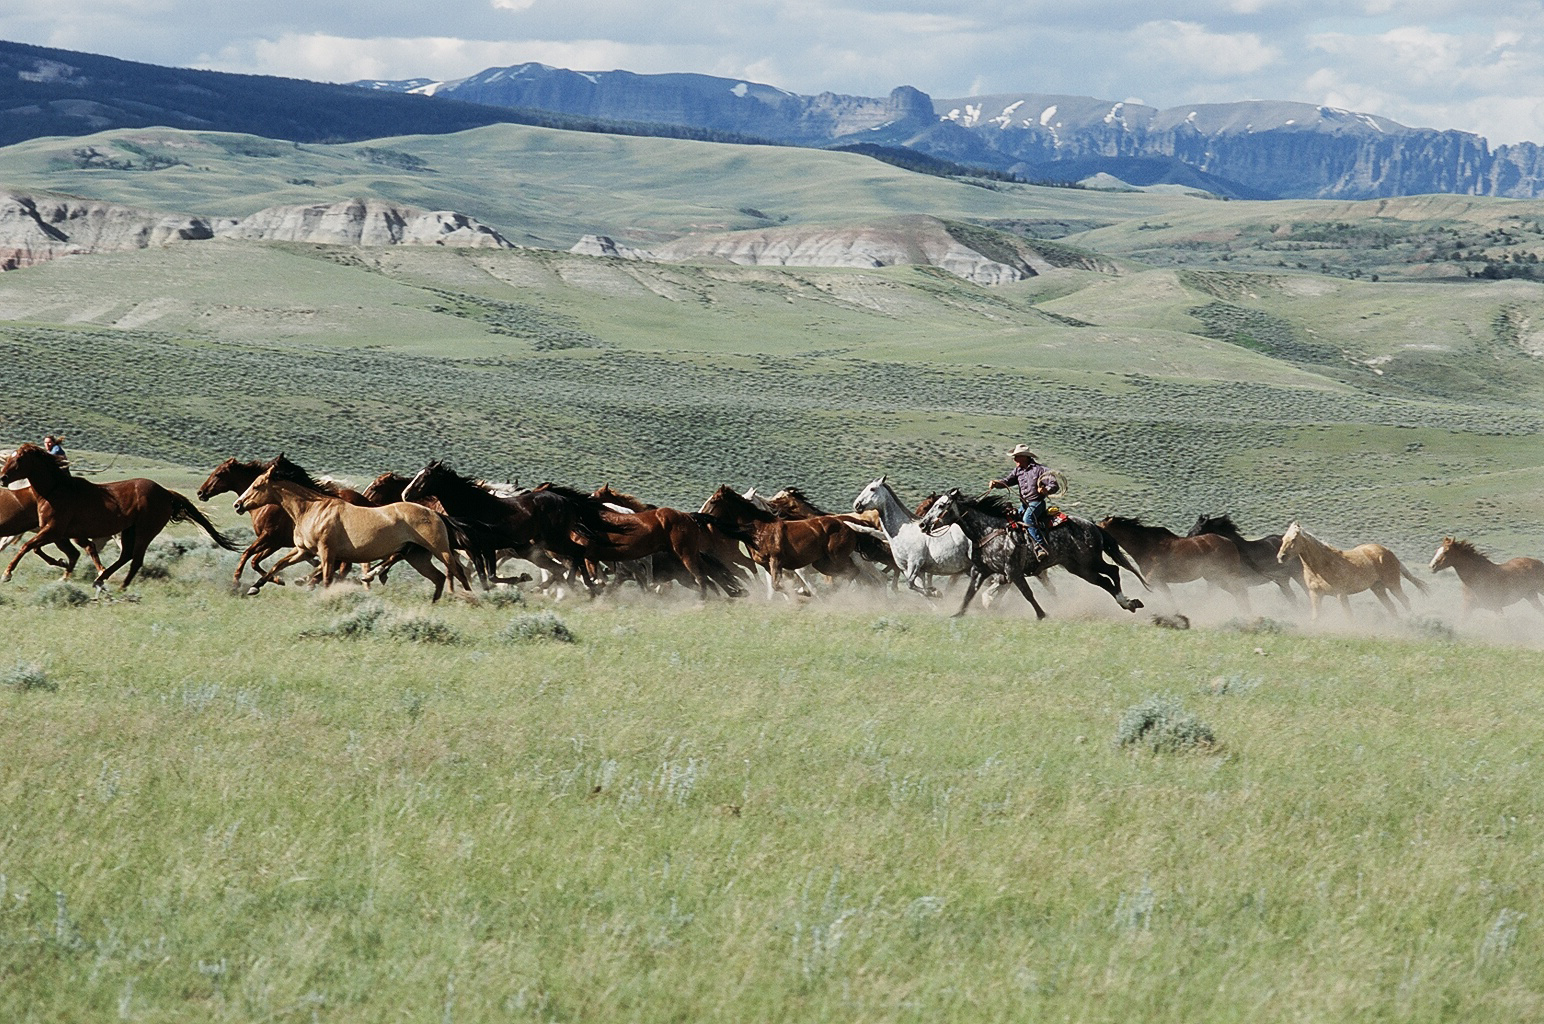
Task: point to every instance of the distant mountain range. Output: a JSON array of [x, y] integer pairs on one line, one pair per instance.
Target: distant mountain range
[[1254, 149]]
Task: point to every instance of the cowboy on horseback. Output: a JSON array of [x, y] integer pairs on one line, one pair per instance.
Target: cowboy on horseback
[[1035, 482]]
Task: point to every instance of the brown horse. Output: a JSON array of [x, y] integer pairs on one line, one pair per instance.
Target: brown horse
[[19, 515], [827, 543], [1329, 570], [671, 541], [334, 531], [137, 510], [1165, 557], [1489, 584]]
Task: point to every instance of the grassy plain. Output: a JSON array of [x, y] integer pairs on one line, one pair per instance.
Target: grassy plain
[[852, 810], [842, 811]]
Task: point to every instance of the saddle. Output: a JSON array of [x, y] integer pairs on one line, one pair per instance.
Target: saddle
[[1054, 517]]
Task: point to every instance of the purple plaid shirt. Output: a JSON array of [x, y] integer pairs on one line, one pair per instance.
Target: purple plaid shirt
[[1028, 480]]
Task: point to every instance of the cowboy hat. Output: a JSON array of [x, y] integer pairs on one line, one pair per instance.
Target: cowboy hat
[[1021, 449]]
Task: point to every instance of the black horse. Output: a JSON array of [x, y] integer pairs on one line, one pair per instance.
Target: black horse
[[538, 523], [1259, 554], [1078, 545]]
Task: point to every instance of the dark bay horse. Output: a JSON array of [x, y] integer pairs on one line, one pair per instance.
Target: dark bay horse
[[1488, 584], [136, 510], [828, 544], [1077, 545], [1259, 554], [548, 525], [1166, 557]]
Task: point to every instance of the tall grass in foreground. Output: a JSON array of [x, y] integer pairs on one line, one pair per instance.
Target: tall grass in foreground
[[754, 812]]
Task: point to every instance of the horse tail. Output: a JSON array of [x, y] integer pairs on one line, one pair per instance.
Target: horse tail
[[1118, 556], [1418, 583], [184, 511]]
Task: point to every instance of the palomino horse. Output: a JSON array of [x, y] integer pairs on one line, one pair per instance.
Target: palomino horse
[[1078, 545], [334, 531], [918, 554], [1259, 554], [1166, 557], [1329, 570], [826, 543], [137, 510], [1489, 584]]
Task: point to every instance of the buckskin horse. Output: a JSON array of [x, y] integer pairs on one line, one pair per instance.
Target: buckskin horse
[[1488, 584], [335, 531], [1329, 570], [1077, 545], [136, 510]]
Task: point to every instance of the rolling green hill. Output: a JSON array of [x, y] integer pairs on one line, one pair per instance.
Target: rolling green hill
[[1400, 410]]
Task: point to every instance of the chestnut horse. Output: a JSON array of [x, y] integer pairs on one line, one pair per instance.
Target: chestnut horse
[[19, 515], [137, 510], [1329, 570], [827, 543], [1489, 584], [334, 531], [1166, 557], [690, 537]]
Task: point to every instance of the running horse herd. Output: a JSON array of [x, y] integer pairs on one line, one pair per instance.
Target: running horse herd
[[606, 537]]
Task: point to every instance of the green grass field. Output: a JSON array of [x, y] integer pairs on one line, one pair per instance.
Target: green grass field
[[851, 809]]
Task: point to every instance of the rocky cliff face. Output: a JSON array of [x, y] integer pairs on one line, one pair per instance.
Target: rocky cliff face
[[35, 228], [364, 222], [902, 241]]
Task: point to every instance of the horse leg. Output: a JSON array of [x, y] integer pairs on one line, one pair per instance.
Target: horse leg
[[970, 592], [1345, 604], [296, 555], [1382, 594], [129, 544], [1101, 578], [1029, 595], [421, 560]]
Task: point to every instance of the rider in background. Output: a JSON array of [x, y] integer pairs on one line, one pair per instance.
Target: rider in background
[[54, 446], [1035, 483]]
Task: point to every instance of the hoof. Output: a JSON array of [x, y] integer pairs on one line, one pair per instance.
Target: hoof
[[1133, 605], [253, 589]]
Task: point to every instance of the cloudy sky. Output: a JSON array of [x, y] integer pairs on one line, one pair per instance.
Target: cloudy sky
[[1427, 63]]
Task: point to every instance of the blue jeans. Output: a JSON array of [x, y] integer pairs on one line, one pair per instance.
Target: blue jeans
[[1033, 518]]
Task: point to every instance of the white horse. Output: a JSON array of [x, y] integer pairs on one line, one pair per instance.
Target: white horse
[[918, 554]]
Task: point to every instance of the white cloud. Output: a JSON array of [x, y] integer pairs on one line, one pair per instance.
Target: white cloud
[[1200, 52]]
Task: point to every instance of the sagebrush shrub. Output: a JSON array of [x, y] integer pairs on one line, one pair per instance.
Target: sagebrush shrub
[[1161, 724], [360, 620], [537, 626], [61, 594], [27, 675], [419, 629]]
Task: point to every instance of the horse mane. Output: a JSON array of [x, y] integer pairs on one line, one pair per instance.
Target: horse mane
[[1222, 524], [925, 504], [1464, 547], [742, 505], [1128, 521], [284, 469], [794, 499], [56, 461], [605, 492], [992, 505]]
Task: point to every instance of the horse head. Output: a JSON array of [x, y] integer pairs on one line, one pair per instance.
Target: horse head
[[426, 480], [944, 511], [220, 480], [261, 492], [31, 460], [869, 497], [1291, 542], [1444, 558]]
